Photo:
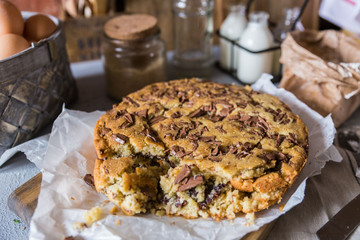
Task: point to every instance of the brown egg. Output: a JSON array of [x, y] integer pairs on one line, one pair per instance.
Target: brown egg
[[11, 20], [11, 44], [38, 27]]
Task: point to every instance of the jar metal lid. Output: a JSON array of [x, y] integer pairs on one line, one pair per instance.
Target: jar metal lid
[[131, 27]]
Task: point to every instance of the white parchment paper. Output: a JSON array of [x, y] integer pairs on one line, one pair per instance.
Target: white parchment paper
[[64, 195]]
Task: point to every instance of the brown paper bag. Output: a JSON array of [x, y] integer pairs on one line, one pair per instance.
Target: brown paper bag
[[323, 70]]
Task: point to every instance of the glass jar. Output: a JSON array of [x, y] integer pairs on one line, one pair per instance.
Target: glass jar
[[132, 59], [289, 17], [193, 33]]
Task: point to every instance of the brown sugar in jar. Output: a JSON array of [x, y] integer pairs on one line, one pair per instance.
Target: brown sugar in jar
[[133, 54]]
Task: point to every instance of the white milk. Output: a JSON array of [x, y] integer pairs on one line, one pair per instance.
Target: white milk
[[232, 28], [255, 37]]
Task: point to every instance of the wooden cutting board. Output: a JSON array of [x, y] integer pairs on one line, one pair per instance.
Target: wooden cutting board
[[23, 202]]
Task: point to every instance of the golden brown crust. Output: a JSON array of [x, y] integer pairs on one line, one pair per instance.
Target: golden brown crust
[[194, 148]]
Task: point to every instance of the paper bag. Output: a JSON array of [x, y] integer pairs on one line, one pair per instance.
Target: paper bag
[[323, 70]]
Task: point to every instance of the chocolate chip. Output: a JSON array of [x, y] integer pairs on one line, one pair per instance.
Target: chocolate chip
[[174, 127], [193, 193], [247, 119], [232, 149], [129, 121], [202, 205], [119, 114], [193, 137], [279, 138], [214, 159], [234, 117], [247, 146], [183, 98], [176, 115], [292, 138], [286, 121], [216, 118], [89, 179], [148, 191], [183, 173], [120, 138], [215, 151], [220, 129], [211, 193], [224, 102], [165, 200], [191, 183], [209, 108], [278, 156], [204, 129], [262, 123], [104, 131], [197, 124], [242, 154], [156, 120], [180, 204], [142, 113], [224, 112], [215, 193], [198, 113], [183, 132], [151, 134], [207, 138], [241, 104], [178, 151], [252, 131], [130, 100]]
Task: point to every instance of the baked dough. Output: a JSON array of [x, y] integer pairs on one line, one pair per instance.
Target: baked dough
[[193, 148]]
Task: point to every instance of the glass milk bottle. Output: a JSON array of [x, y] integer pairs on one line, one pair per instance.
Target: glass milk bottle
[[232, 28], [255, 37]]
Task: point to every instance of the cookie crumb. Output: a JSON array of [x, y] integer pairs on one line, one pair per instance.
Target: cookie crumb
[[72, 198], [250, 217], [92, 215], [114, 210], [281, 207], [69, 238], [118, 222], [80, 226], [106, 201]]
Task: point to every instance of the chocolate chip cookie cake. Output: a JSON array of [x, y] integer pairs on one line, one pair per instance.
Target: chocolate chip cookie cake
[[198, 149]]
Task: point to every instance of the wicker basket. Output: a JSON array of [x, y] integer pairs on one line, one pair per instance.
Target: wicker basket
[[34, 84]]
